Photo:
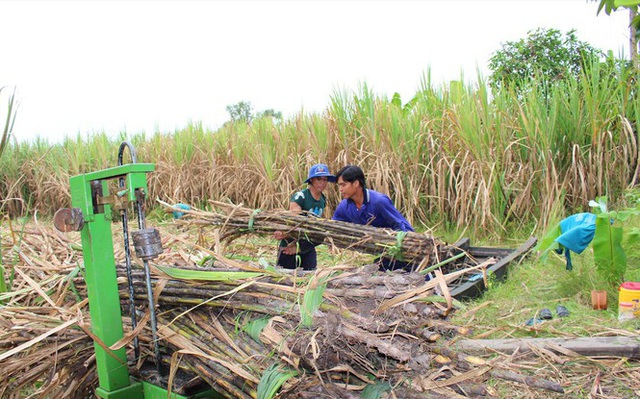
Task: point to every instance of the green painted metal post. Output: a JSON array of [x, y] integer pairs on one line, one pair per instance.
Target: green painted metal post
[[89, 193], [102, 286]]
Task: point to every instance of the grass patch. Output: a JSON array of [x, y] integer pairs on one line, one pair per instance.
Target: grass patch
[[531, 286]]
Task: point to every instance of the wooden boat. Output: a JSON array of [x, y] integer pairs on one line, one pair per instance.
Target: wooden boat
[[472, 285]]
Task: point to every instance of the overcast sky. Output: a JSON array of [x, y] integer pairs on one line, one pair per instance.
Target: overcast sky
[[134, 66]]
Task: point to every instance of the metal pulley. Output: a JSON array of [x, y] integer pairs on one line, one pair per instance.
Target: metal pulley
[[66, 220], [147, 243]]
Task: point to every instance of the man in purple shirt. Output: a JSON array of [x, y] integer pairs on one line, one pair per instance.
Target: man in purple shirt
[[363, 206]]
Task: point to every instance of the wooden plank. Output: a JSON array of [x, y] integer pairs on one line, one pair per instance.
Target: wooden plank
[[628, 347], [472, 289]]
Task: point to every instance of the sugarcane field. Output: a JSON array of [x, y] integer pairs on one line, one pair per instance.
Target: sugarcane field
[[477, 239]]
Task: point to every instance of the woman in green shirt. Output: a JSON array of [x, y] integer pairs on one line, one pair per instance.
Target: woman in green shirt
[[296, 252]]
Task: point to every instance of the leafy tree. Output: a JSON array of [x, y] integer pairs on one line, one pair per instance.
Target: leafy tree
[[545, 56], [270, 113], [242, 111]]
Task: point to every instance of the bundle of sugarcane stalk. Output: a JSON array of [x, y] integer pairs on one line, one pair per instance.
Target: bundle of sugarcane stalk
[[233, 221]]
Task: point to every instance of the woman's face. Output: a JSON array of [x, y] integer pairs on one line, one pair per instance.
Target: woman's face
[[319, 183]]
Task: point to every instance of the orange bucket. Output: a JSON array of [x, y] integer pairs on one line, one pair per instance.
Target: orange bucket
[[629, 301]]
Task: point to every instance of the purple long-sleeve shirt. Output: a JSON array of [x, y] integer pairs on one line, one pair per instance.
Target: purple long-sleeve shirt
[[377, 210]]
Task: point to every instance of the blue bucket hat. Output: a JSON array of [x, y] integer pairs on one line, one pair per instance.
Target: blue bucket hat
[[320, 170]]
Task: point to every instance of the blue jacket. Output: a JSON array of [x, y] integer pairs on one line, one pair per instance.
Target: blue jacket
[[377, 210]]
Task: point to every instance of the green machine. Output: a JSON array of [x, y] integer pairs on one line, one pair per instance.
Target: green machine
[[94, 198]]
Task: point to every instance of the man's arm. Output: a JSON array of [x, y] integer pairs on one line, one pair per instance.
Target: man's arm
[[340, 214], [392, 216]]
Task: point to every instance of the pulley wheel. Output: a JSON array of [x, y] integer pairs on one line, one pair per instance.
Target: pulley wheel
[[67, 219]]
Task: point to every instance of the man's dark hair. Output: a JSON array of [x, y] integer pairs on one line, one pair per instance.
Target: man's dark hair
[[351, 173]]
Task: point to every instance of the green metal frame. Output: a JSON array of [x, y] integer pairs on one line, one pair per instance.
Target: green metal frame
[[102, 287]]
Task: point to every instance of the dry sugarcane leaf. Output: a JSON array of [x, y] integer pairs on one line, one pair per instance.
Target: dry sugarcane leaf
[[142, 323], [36, 287], [221, 333], [400, 299], [313, 343], [350, 387], [348, 369], [38, 339], [420, 292], [96, 339], [232, 367], [444, 289], [272, 336], [542, 352], [428, 384]]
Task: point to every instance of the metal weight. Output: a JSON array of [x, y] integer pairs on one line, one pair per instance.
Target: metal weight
[[147, 243]]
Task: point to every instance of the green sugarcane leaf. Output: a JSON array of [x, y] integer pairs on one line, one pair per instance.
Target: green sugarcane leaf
[[255, 327], [433, 298], [10, 120], [444, 262], [207, 275], [3, 284], [311, 302], [272, 379], [375, 391]]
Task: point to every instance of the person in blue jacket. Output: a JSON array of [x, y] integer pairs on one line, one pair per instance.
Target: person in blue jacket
[[361, 205], [295, 251]]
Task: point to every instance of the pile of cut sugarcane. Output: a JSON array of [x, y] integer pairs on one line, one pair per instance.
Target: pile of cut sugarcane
[[347, 328], [246, 331]]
